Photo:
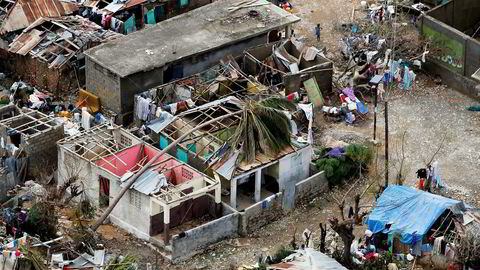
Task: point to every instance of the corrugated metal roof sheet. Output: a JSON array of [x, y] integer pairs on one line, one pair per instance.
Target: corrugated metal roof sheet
[[25, 12], [58, 45], [26, 42], [308, 259], [148, 183]]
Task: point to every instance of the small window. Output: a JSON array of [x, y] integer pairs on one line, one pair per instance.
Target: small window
[[135, 198], [187, 174]]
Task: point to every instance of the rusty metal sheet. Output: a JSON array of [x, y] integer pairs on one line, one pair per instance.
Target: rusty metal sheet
[[35, 38], [133, 3], [19, 42], [28, 11]]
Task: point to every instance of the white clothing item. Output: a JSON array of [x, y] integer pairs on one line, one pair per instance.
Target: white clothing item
[[86, 118], [437, 243], [143, 108]]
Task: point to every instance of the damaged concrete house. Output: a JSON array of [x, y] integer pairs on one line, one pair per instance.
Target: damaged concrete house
[[275, 173], [293, 60], [455, 27], [267, 185], [117, 70], [49, 52], [169, 198], [27, 140]]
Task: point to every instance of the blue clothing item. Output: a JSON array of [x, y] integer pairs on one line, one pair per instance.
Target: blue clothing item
[[361, 107], [349, 118], [317, 31]]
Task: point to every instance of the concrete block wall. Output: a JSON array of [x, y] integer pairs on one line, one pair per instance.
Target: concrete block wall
[[104, 84], [126, 215], [7, 182], [68, 166], [42, 149], [37, 73], [293, 168], [202, 236], [466, 52], [308, 189], [261, 214]]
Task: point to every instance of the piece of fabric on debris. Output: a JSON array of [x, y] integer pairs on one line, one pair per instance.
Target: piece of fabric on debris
[[336, 152], [349, 93], [151, 17], [409, 210]]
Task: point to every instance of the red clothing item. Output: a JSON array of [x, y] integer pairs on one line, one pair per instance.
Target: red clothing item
[[370, 256], [107, 22]]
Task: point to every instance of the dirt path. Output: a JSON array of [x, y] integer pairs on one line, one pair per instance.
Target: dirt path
[[429, 114]]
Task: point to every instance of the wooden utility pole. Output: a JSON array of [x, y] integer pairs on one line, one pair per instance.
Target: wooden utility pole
[[374, 82], [375, 115], [386, 144], [144, 168]]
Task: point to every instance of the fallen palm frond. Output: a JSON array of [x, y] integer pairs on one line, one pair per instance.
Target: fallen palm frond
[[278, 103], [263, 129]]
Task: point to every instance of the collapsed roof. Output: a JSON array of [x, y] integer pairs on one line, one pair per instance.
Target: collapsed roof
[[209, 144], [29, 123], [57, 41], [165, 180], [18, 14]]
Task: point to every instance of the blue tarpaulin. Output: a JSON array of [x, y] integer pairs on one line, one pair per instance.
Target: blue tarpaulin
[[409, 210]]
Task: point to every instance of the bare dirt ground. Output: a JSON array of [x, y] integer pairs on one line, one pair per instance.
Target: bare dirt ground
[[428, 114]]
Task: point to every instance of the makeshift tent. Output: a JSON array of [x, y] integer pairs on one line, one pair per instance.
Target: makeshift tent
[[409, 210]]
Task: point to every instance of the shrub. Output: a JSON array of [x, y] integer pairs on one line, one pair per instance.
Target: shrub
[[338, 169], [42, 221]]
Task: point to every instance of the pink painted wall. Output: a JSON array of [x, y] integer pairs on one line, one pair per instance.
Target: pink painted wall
[[132, 155]]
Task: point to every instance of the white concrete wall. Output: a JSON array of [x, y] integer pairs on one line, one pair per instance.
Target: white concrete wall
[[69, 164], [127, 216], [294, 167]]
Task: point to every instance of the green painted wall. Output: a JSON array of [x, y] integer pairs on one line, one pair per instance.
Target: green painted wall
[[452, 52]]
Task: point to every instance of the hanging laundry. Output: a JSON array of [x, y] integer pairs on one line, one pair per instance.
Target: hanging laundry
[[406, 79], [143, 108], [395, 70], [107, 22], [362, 108], [119, 27], [183, 3], [437, 243], [129, 25], [151, 17]]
